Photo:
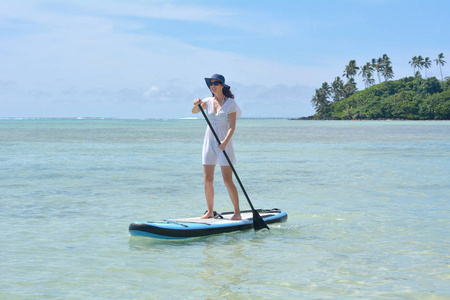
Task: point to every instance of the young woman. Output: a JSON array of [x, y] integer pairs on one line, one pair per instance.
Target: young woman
[[222, 112]]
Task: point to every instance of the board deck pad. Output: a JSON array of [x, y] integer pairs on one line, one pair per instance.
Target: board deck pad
[[193, 227], [226, 218]]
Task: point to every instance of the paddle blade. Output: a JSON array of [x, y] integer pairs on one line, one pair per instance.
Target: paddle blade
[[258, 222]]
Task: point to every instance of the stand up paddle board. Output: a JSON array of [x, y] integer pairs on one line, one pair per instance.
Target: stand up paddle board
[[195, 227]]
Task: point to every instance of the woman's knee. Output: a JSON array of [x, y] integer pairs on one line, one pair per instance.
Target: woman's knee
[[227, 176], [208, 174], [228, 182], [209, 179]]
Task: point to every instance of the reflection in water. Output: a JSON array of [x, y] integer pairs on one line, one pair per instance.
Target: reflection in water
[[226, 266]]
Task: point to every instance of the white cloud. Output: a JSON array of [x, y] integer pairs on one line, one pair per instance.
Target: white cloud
[[157, 9], [151, 91], [82, 57], [280, 100]]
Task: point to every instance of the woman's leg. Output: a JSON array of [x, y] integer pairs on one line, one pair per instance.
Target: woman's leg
[[227, 174], [208, 174]]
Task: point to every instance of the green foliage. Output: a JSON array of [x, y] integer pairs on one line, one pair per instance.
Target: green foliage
[[411, 98], [436, 106]]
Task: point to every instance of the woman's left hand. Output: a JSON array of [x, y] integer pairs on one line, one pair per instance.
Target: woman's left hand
[[223, 145]]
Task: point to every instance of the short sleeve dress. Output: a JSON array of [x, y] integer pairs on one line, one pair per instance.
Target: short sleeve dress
[[212, 155]]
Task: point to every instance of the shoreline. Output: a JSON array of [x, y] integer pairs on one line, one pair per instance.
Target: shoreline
[[311, 118]]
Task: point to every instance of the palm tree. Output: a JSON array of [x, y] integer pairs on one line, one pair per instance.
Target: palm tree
[[386, 60], [337, 88], [320, 101], [315, 101], [377, 65], [369, 78], [413, 64], [326, 89], [388, 73], [417, 62], [363, 72], [350, 69], [420, 62], [350, 88], [385, 67], [426, 64], [440, 62], [366, 73]]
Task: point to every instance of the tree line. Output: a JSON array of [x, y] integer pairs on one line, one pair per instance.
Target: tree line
[[420, 62], [328, 94]]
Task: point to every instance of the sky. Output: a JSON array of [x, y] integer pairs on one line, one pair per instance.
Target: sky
[[139, 59]]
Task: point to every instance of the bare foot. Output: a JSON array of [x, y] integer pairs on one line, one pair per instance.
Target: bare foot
[[207, 215], [236, 217]]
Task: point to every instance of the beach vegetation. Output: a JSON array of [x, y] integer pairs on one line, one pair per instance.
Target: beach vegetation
[[409, 98], [440, 62]]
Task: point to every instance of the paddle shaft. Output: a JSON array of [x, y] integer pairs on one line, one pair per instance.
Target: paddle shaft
[[232, 168]]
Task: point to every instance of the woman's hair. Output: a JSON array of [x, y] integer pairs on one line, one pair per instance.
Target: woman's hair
[[227, 92]]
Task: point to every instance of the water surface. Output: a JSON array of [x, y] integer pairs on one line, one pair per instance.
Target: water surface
[[368, 206]]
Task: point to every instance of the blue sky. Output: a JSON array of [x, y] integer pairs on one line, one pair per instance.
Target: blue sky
[[147, 59]]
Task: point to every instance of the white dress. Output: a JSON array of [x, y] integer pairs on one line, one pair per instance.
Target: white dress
[[212, 155]]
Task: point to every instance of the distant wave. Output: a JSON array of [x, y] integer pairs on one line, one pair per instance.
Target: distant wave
[[124, 119]]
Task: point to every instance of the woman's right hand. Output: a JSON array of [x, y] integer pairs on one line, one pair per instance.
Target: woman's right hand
[[195, 108], [197, 101]]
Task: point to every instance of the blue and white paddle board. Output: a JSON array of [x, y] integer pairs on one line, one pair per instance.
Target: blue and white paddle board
[[195, 227]]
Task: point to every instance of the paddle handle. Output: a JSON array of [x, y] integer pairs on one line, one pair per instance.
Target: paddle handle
[[228, 159]]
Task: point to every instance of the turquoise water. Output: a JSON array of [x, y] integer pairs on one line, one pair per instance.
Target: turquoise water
[[368, 206]]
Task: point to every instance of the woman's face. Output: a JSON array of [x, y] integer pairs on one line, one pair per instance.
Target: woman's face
[[215, 86]]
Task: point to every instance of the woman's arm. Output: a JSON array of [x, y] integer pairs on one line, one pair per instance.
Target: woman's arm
[[230, 132], [195, 109]]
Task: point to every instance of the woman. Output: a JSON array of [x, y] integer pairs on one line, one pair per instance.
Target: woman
[[222, 112]]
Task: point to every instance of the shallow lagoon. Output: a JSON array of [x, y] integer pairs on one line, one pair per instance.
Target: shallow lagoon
[[368, 206]]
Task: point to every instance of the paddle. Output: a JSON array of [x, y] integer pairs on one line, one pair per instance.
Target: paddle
[[258, 222]]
